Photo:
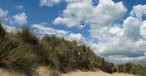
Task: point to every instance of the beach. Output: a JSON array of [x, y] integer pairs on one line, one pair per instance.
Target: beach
[[97, 73]]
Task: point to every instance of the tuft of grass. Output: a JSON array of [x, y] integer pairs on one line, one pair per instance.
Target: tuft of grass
[[141, 71], [26, 36], [49, 54], [17, 58]]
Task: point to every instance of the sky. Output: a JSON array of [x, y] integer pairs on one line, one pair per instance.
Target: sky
[[113, 29]]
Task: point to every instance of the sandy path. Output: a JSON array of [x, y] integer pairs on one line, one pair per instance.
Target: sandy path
[[98, 73]]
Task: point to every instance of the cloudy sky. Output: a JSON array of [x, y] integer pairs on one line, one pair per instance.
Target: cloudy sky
[[114, 29]]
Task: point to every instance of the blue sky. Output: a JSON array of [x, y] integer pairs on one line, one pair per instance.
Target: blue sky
[[38, 14], [114, 29]]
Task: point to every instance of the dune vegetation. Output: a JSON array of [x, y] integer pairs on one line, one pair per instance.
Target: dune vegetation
[[23, 52]]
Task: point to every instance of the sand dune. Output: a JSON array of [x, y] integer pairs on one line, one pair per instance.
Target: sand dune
[[98, 73]]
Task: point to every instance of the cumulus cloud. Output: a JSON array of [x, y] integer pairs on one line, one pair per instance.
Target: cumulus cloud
[[123, 42], [115, 42], [84, 12], [42, 29], [116, 31], [20, 19], [4, 18], [49, 3], [76, 37], [138, 11], [127, 41], [132, 28], [143, 29]]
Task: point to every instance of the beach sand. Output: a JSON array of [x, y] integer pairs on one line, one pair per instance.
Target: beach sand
[[43, 71], [97, 73]]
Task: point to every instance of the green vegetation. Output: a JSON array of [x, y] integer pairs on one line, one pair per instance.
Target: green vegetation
[[23, 52], [130, 68], [141, 71]]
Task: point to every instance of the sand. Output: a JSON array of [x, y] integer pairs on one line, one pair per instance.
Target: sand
[[97, 73], [43, 71], [7, 73]]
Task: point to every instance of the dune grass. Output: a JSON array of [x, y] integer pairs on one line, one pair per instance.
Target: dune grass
[[24, 52], [141, 71]]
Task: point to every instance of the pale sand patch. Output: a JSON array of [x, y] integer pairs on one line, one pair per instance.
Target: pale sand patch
[[43, 71], [122, 74], [98, 73], [7, 73]]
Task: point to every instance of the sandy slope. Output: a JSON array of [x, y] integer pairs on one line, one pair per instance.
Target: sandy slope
[[42, 71], [7, 73], [98, 73]]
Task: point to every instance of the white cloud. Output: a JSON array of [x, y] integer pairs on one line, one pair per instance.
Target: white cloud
[[132, 28], [116, 31], [3, 14], [77, 37], [20, 19], [115, 42], [145, 53], [9, 28], [69, 21], [143, 29], [4, 18], [41, 29], [83, 12], [49, 3], [19, 7], [120, 59], [122, 44], [138, 11], [126, 41]]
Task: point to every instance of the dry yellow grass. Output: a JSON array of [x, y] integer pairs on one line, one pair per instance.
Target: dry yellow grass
[[98, 73]]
